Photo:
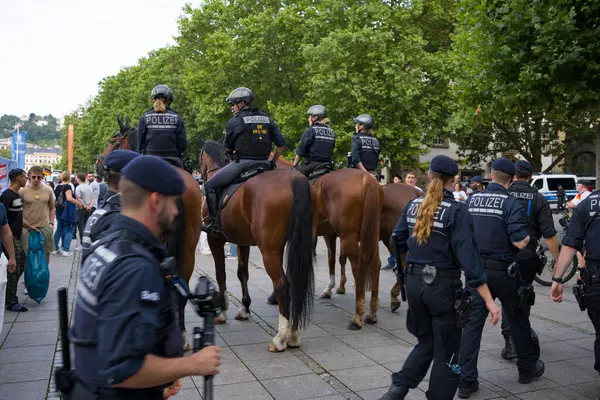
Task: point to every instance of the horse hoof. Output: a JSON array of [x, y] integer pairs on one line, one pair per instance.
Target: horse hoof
[[242, 314], [186, 347], [395, 305], [353, 326], [341, 290], [326, 295], [371, 319], [221, 318], [274, 349]]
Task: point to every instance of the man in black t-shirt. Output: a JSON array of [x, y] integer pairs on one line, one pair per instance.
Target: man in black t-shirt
[[14, 211]]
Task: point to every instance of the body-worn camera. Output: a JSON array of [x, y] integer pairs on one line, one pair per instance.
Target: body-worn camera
[[579, 292]]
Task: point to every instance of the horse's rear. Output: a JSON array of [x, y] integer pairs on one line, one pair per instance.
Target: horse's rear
[[349, 205], [274, 210]]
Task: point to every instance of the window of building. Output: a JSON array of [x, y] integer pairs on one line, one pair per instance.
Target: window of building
[[440, 141]]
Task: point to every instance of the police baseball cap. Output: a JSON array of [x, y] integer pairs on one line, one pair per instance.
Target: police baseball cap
[[524, 165], [584, 182], [118, 159], [477, 178], [154, 174], [15, 172], [504, 165], [443, 165]]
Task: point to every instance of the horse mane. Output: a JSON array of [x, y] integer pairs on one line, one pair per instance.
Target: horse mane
[[132, 137], [217, 152]]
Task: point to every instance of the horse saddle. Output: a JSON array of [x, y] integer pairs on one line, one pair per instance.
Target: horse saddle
[[318, 172], [251, 171]]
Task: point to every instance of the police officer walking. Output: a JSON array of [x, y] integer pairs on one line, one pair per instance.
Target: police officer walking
[[583, 231], [365, 147], [102, 218], [249, 134], [127, 341], [538, 220], [437, 233], [317, 142], [500, 233], [161, 131]]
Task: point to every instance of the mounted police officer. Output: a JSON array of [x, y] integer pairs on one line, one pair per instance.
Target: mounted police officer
[[126, 338], [317, 142], [538, 220], [249, 135], [365, 147], [437, 233], [161, 131], [500, 233], [583, 234], [103, 217]]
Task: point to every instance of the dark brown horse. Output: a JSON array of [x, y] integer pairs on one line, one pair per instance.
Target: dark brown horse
[[349, 202], [271, 210], [181, 244], [396, 197]]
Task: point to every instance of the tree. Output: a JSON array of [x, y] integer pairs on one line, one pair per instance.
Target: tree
[[524, 72], [6, 153]]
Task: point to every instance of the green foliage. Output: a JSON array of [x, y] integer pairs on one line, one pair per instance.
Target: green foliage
[[6, 153], [41, 130]]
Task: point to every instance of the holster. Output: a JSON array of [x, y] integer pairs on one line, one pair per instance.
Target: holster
[[579, 292], [590, 275], [65, 381], [463, 307], [525, 295]]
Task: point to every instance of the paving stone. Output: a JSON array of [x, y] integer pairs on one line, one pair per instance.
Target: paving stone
[[233, 325], [334, 397], [298, 387], [323, 344], [562, 372], [395, 353], [33, 390], [187, 383], [590, 390], [585, 343], [405, 335], [362, 341], [242, 391], [564, 351], [19, 354], [34, 327], [490, 360], [375, 394], [230, 373], [342, 360], [245, 337], [35, 316], [29, 339], [559, 393], [508, 379], [188, 394], [258, 351], [364, 378], [268, 369], [25, 371]]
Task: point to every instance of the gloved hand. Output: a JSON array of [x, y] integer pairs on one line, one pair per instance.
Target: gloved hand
[[272, 164]]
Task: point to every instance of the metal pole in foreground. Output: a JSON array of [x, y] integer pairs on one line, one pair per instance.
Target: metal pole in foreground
[[64, 328], [208, 340]]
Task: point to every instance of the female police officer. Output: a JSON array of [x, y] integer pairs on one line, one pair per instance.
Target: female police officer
[[437, 233]]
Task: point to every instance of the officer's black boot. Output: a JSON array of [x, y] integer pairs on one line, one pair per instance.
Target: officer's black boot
[[272, 299], [395, 393], [508, 352], [464, 391], [536, 372], [211, 202]]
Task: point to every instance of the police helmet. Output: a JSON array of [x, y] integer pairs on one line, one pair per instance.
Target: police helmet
[[366, 120], [162, 91], [317, 111], [240, 94]]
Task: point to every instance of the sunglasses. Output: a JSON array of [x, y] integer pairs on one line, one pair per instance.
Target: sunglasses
[[36, 177]]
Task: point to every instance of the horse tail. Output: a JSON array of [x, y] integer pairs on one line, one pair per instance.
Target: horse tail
[[174, 241], [299, 263], [368, 251]]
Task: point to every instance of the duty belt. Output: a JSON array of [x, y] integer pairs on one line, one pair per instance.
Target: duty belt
[[493, 264], [417, 269]]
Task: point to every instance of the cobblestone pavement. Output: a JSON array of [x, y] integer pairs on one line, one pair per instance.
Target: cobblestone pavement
[[332, 363]]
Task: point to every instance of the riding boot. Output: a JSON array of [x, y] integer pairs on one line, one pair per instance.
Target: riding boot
[[212, 203], [508, 352]]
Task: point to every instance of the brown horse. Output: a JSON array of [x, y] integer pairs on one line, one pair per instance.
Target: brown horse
[[271, 210], [182, 243], [349, 202], [396, 197]]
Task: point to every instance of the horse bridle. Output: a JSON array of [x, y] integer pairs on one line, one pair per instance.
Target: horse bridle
[[115, 140], [205, 175]]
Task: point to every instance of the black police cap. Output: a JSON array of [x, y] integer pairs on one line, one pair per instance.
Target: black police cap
[[118, 159], [524, 165], [477, 178], [154, 174], [504, 165], [15, 172], [443, 165]]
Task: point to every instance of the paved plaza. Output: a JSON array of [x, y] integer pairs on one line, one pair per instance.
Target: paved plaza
[[333, 363]]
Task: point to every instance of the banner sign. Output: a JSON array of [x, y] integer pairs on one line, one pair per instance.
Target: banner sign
[[19, 148], [5, 166]]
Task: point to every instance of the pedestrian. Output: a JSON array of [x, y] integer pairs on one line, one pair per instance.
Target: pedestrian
[[85, 195], [397, 178], [66, 215], [476, 184], [13, 204], [436, 234], [38, 210], [126, 337], [102, 190], [91, 180], [500, 233]]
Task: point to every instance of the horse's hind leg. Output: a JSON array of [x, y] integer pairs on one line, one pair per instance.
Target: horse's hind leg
[[349, 245], [374, 305], [273, 263], [330, 242], [342, 288], [243, 275], [217, 248]]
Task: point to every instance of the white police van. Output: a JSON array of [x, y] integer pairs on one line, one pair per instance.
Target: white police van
[[547, 184]]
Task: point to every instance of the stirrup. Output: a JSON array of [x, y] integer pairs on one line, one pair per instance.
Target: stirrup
[[212, 227]]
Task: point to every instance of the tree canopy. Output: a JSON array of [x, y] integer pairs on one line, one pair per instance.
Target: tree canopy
[[41, 130]]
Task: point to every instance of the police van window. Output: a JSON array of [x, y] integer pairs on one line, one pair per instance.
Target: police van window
[[567, 183], [538, 184]]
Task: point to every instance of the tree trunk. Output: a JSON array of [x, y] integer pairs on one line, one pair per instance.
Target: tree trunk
[[597, 154]]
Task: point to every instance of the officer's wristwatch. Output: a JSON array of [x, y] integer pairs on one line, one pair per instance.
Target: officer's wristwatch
[[557, 280]]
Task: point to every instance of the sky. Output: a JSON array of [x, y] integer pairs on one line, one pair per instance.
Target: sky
[[54, 53]]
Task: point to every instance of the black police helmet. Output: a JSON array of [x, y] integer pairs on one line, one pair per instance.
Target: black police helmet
[[162, 91], [366, 120], [240, 94], [317, 111]]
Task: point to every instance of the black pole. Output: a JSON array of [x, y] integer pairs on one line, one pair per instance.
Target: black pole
[[208, 340], [64, 328]]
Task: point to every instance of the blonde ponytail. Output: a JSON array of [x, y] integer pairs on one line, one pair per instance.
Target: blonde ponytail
[[432, 200], [159, 105]]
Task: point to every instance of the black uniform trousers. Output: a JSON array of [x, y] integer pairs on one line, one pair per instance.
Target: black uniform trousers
[[592, 295], [308, 168], [432, 319], [504, 288]]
